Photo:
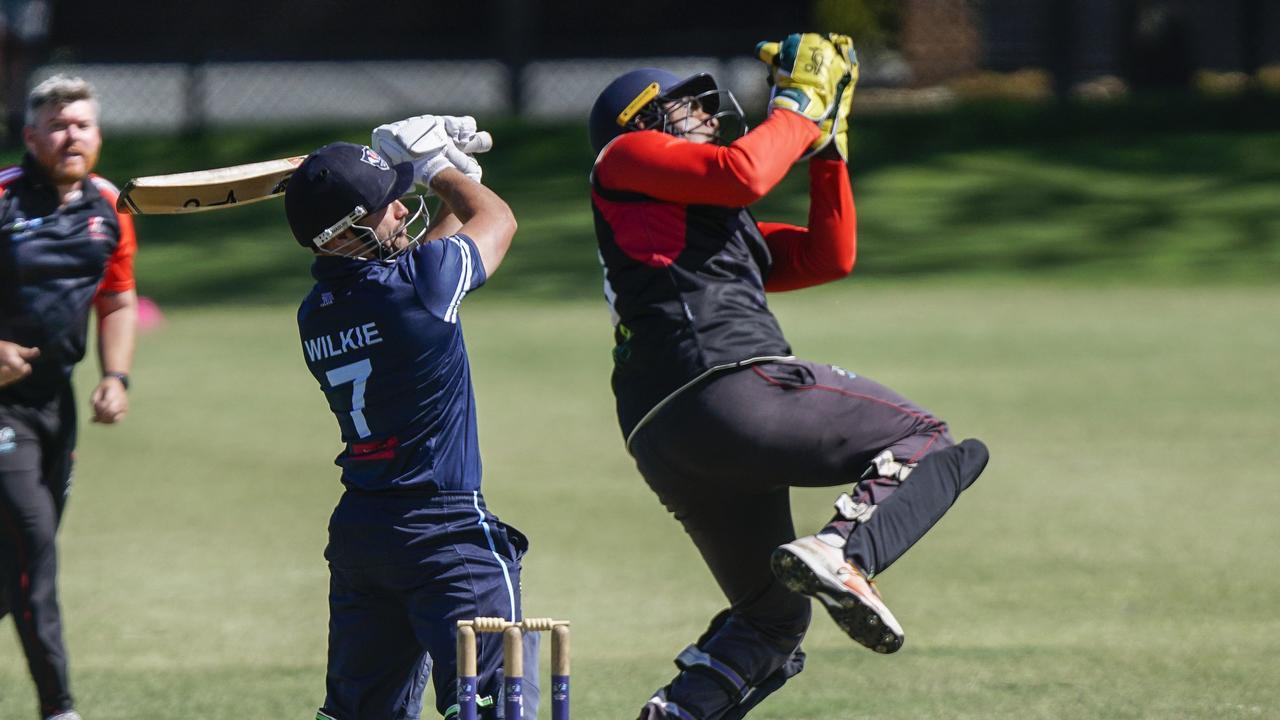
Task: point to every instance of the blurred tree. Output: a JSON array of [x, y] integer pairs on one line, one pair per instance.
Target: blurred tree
[[869, 22], [1162, 53]]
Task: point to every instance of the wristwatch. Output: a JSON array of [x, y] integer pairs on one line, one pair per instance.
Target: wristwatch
[[122, 377]]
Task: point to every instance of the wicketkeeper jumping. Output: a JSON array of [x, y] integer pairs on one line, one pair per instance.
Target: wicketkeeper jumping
[[721, 417]]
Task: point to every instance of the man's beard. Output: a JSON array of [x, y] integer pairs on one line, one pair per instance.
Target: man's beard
[[67, 169], [67, 173], [67, 178]]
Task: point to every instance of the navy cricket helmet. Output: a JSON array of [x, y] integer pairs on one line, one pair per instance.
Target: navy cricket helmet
[[336, 186], [641, 99]]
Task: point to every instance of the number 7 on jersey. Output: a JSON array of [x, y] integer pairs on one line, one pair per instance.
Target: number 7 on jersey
[[356, 373]]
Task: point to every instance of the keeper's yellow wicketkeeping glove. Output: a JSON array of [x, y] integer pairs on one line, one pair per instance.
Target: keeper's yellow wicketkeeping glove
[[837, 128], [814, 75]]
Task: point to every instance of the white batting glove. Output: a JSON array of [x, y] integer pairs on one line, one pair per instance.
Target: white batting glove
[[421, 141], [468, 141], [464, 162], [460, 128], [463, 131], [432, 143]]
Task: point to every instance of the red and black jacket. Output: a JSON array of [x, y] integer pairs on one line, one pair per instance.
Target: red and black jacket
[[687, 265], [54, 260]]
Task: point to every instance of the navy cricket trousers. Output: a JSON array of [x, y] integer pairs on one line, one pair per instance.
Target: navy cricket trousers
[[404, 568], [36, 445]]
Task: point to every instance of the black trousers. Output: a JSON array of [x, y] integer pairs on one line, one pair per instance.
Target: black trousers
[[723, 456], [36, 446]]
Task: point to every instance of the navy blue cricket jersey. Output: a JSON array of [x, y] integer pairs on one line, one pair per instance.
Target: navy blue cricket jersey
[[384, 342]]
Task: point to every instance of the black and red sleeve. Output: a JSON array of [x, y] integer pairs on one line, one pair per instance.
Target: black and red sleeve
[[118, 274]]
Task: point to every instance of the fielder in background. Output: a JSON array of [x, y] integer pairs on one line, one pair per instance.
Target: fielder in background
[[412, 546], [721, 418], [63, 249]]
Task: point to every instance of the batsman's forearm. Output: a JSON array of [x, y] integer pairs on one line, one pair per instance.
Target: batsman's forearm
[[117, 330], [465, 197], [486, 218], [444, 223]]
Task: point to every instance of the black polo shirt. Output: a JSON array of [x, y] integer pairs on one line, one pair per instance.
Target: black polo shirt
[[53, 262]]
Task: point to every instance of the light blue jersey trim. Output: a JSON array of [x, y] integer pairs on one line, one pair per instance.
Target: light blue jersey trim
[[488, 535]]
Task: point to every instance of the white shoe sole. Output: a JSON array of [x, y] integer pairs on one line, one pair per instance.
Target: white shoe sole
[[865, 619]]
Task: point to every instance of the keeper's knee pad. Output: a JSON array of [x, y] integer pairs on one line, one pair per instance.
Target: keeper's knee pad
[[729, 671]]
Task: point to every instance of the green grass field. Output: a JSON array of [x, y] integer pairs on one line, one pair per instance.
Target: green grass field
[[1103, 314]]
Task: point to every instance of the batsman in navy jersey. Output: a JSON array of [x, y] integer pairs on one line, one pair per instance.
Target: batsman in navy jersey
[[412, 546]]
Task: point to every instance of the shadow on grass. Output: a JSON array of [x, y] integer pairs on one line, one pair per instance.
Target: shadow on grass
[[1168, 207]]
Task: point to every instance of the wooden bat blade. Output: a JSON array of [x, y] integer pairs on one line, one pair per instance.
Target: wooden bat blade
[[207, 189]]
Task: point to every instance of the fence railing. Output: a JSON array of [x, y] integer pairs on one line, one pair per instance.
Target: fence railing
[[174, 96]]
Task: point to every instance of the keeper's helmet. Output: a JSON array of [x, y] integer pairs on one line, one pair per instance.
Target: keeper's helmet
[[653, 99]]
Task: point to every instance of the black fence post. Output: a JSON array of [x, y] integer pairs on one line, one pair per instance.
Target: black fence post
[[1251, 36], [1063, 28], [516, 18]]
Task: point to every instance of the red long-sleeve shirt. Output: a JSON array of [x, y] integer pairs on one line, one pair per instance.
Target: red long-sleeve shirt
[[675, 170]]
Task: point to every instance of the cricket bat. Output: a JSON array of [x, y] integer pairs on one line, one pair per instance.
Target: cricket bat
[[207, 189]]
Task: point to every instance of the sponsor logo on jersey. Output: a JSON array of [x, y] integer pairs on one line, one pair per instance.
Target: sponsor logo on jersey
[[21, 227], [376, 449], [98, 228], [7, 444], [374, 159], [326, 299]]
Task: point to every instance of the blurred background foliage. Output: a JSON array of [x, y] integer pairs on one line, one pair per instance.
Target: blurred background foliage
[[870, 22]]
